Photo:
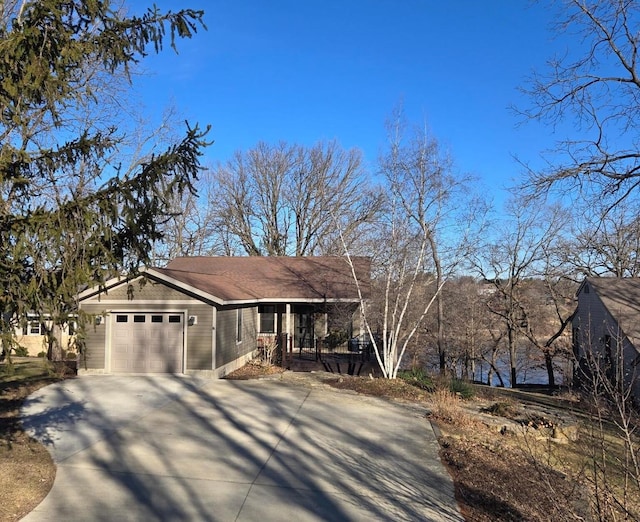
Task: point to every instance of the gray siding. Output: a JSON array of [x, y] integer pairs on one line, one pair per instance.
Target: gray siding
[[593, 320], [200, 338], [93, 358], [227, 349], [143, 289]]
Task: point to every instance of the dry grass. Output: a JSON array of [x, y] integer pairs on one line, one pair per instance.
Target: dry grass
[[253, 370], [390, 389], [446, 407], [26, 469]]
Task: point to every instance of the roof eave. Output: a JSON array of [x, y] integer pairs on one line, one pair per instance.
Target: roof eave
[[158, 276], [285, 300], [108, 285]]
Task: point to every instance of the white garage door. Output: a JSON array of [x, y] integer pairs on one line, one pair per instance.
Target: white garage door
[[147, 342]]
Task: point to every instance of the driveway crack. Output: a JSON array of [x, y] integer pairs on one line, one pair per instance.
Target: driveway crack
[[273, 451]]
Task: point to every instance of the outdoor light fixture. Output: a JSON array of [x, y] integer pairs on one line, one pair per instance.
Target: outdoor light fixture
[[99, 319], [193, 319]]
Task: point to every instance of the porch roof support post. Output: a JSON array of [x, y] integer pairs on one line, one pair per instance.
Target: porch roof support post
[[281, 334], [288, 321]]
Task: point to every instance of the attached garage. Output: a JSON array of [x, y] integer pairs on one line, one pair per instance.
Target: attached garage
[[147, 342]]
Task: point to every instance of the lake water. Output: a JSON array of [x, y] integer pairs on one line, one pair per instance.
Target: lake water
[[528, 372]]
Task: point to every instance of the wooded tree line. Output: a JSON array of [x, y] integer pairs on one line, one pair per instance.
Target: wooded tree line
[[84, 196]]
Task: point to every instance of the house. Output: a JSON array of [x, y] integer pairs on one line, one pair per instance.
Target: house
[[606, 328], [30, 334], [208, 315]]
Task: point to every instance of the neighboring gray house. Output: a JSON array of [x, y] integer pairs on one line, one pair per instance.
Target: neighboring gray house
[[209, 314], [607, 325]]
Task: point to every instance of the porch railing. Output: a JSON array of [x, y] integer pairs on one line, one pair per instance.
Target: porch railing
[[349, 356]]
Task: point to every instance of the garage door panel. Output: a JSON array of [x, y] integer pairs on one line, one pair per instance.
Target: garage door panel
[[147, 343]]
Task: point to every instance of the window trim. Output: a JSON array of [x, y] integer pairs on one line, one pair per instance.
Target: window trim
[[35, 328], [262, 313], [238, 325]]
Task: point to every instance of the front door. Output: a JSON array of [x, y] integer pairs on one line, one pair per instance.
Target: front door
[[303, 328]]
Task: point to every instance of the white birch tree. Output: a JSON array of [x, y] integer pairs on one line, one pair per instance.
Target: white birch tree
[[411, 259]]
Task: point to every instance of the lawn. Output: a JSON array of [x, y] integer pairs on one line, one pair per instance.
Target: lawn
[[26, 468]]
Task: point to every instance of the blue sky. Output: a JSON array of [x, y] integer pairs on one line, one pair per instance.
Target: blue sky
[[309, 70]]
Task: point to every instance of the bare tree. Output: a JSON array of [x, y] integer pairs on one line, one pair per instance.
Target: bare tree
[[467, 325], [283, 199], [392, 318], [610, 386], [604, 242], [518, 254], [421, 180], [412, 259], [186, 231], [547, 308], [490, 356], [189, 231], [596, 90]]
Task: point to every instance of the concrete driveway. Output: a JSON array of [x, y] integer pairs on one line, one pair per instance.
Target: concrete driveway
[[180, 448]]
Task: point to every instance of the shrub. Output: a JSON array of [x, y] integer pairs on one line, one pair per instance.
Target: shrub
[[336, 338], [42, 355], [21, 351], [419, 378], [269, 352], [461, 388]]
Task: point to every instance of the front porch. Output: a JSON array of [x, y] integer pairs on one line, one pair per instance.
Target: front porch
[[322, 336], [352, 357]]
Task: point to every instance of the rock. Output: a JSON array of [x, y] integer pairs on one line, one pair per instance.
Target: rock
[[565, 434]]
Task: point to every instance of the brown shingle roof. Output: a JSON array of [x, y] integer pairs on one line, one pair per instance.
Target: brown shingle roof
[[275, 278], [621, 297]]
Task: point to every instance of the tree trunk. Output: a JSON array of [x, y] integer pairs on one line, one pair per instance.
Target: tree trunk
[[442, 355], [548, 362], [512, 357], [54, 342], [492, 368]]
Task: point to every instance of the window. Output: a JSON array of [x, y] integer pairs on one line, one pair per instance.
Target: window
[[138, 318], [122, 318], [267, 318], [34, 327], [174, 318], [239, 325], [156, 318]]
